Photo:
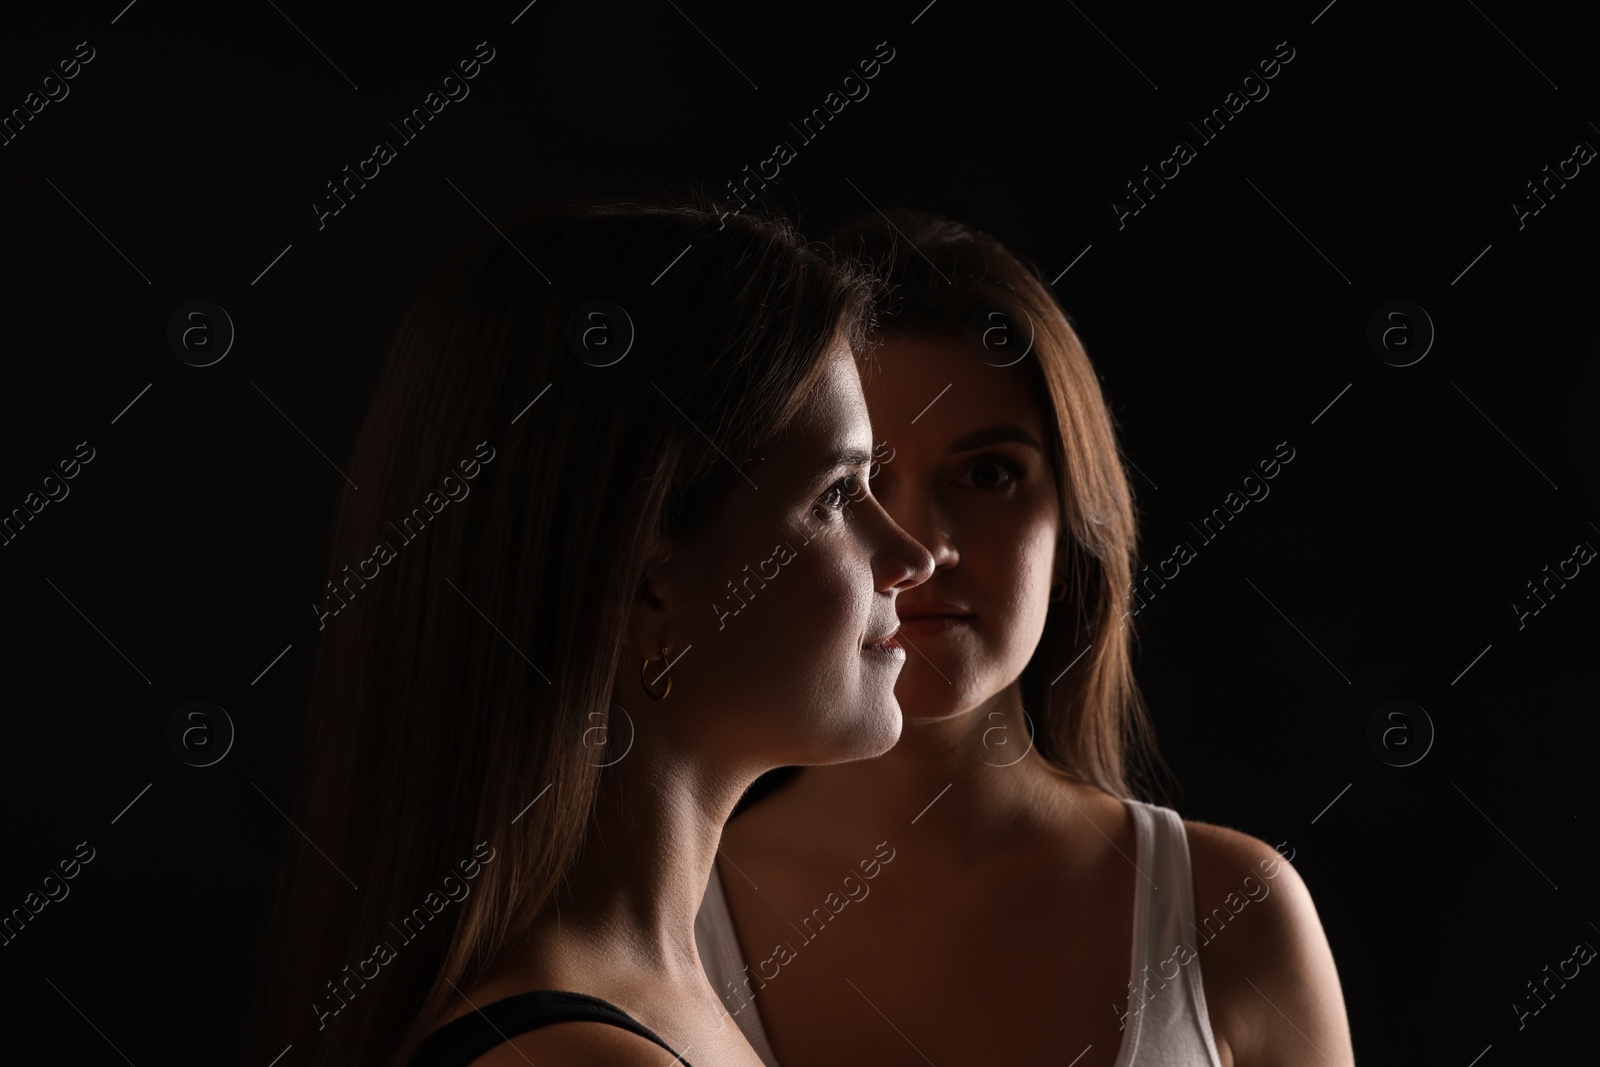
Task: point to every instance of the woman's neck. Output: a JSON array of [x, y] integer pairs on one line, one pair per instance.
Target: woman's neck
[[970, 781], [630, 902]]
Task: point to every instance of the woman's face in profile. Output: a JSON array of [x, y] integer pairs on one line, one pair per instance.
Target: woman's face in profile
[[970, 479], [782, 595]]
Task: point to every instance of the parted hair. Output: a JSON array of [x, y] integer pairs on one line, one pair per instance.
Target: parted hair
[[459, 684], [935, 276]]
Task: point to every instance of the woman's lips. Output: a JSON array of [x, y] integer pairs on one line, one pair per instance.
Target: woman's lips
[[927, 625]]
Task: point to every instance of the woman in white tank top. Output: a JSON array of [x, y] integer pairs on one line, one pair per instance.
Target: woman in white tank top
[[991, 890]]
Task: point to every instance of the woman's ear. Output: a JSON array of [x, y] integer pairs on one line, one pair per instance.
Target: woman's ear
[[646, 628], [655, 609]]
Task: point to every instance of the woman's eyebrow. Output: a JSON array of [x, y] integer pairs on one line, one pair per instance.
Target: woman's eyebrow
[[844, 457], [994, 435]]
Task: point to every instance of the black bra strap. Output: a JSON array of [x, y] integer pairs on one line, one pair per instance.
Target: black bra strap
[[465, 1038]]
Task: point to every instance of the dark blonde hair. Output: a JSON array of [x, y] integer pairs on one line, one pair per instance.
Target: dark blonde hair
[[936, 276], [457, 684]]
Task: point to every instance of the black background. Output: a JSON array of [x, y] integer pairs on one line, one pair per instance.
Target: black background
[[1383, 564]]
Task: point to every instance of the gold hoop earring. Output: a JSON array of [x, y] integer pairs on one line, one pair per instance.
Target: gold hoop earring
[[644, 681]]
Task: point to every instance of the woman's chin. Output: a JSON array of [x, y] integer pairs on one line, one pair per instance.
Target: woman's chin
[[940, 705], [872, 733], [931, 703]]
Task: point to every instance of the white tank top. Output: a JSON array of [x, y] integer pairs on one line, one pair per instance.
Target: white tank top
[[1166, 1023]]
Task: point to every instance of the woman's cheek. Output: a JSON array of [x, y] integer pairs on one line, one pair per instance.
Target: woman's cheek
[[821, 588], [1022, 570], [831, 556]]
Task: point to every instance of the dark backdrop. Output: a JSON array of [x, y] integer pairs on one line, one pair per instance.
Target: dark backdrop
[[1229, 314]]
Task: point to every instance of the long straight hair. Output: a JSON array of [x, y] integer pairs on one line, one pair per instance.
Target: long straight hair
[[564, 396], [936, 276]]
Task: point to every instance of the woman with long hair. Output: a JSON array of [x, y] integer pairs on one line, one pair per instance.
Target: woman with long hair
[[606, 556], [1022, 901]]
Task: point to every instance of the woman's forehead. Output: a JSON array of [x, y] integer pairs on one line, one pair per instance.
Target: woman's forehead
[[923, 385]]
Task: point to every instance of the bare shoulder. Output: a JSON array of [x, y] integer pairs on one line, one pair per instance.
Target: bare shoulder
[[575, 1044], [1231, 854], [1271, 985]]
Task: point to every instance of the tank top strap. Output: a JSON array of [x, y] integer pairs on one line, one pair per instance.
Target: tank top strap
[[465, 1038], [1167, 1019]]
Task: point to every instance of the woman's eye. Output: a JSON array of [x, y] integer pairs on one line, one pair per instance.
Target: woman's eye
[[992, 473], [841, 492]]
